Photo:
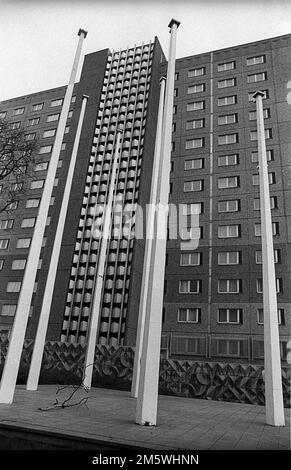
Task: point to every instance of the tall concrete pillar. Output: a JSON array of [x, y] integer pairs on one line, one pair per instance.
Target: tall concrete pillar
[[273, 373], [146, 409], [11, 367], [148, 245], [35, 365], [97, 297]]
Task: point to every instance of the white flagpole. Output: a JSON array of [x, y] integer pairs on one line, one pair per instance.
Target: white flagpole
[[11, 367], [35, 365], [148, 245], [146, 409], [97, 298], [273, 373]]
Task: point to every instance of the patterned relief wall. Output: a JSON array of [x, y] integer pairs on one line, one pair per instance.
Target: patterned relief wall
[[63, 363]]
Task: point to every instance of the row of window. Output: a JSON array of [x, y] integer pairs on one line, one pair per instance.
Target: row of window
[[225, 182], [20, 242], [225, 315], [35, 121], [36, 107], [225, 83], [221, 101], [224, 66], [224, 258], [223, 160], [232, 205], [224, 139], [223, 120], [220, 347], [224, 286]]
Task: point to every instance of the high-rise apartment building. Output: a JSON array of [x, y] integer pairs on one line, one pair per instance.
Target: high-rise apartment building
[[213, 294]]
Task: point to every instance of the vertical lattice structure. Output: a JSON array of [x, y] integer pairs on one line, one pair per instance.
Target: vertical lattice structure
[[123, 101]]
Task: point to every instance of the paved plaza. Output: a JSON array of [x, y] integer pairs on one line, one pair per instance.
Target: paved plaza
[[109, 418]]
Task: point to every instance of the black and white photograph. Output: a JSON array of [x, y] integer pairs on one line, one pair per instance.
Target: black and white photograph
[[145, 232]]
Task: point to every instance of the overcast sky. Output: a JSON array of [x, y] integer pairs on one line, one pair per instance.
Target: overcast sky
[[38, 38]]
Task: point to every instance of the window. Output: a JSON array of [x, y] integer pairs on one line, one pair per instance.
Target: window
[[41, 166], [279, 285], [277, 256], [254, 134], [174, 127], [194, 208], [176, 75], [56, 182], [190, 259], [226, 66], [189, 315], [67, 129], [190, 287], [229, 315], [63, 146], [226, 182], [12, 206], [13, 286], [57, 102], [6, 224], [228, 160], [229, 257], [281, 316], [175, 92], [23, 243], [229, 286], [229, 206], [30, 136], [18, 264], [229, 231], [195, 233], [193, 186], [30, 203], [275, 229], [15, 125], [60, 163], [28, 223], [8, 310], [18, 111], [4, 243], [33, 121], [37, 184], [257, 77], [194, 164], [194, 143], [251, 95], [195, 124], [49, 133], [70, 114], [45, 149], [227, 119], [196, 88], [227, 139], [187, 345], [226, 83], [16, 186], [226, 100], [273, 203], [271, 177], [52, 117], [259, 59], [198, 72], [230, 347], [196, 106], [253, 114], [255, 156], [3, 114], [73, 99], [37, 107], [1, 263]]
